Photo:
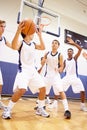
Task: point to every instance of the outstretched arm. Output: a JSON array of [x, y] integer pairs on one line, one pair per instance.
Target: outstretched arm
[[71, 42]]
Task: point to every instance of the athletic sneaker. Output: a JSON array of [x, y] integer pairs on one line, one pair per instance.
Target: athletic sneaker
[[53, 105], [42, 112], [35, 108], [84, 108], [6, 114], [67, 114]]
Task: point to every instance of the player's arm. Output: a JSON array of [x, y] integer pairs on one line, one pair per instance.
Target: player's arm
[[60, 69], [71, 42], [41, 45], [15, 42], [8, 44]]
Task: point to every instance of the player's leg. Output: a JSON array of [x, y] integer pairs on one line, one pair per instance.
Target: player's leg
[[78, 87], [37, 85]]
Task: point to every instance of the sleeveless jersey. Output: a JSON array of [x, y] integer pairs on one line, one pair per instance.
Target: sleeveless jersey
[[2, 44], [52, 63], [70, 67], [27, 55]]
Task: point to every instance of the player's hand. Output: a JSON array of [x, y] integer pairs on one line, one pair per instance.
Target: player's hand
[[70, 41], [20, 27]]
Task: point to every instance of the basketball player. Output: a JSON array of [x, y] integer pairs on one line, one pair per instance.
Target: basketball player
[[27, 75], [42, 71], [3, 43], [71, 78], [53, 79]]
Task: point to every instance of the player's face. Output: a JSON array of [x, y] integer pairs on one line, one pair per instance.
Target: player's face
[[55, 45], [2, 28], [70, 53], [29, 37]]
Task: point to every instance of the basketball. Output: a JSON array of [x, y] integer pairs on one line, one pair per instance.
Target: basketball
[[29, 27]]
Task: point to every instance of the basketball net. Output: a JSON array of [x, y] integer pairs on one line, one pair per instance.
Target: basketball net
[[42, 21]]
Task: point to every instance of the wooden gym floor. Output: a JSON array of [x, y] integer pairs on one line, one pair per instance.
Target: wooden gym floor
[[24, 118]]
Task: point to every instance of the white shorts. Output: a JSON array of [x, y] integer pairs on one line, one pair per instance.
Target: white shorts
[[1, 79], [55, 82], [74, 82], [32, 80]]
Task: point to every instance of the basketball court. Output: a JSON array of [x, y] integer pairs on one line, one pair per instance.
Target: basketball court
[[24, 117], [23, 114]]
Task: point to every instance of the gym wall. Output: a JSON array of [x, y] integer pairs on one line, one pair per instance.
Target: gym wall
[[9, 57]]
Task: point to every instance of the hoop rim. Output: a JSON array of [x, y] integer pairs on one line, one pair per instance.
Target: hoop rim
[[46, 17]]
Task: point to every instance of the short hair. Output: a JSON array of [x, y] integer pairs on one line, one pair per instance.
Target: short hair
[[70, 49], [56, 41], [2, 21]]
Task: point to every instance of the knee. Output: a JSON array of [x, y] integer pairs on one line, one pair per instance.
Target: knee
[[22, 91], [42, 90]]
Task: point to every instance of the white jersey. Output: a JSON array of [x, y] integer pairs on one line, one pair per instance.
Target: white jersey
[[28, 75], [52, 78], [27, 55], [70, 68], [2, 44], [71, 79], [52, 63]]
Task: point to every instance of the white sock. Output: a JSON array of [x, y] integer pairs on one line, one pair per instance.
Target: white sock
[[55, 101], [82, 104], [41, 103], [48, 98], [65, 104], [11, 104]]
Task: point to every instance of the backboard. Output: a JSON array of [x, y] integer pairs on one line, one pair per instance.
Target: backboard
[[31, 10]]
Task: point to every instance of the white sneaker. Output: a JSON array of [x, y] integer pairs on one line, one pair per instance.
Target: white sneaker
[[48, 101], [42, 112], [6, 114], [53, 105], [2, 106], [84, 108]]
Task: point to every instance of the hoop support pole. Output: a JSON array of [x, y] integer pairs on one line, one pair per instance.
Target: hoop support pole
[[20, 12]]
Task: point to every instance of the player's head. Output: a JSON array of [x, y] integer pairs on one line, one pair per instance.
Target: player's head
[[55, 44], [2, 22], [55, 41], [2, 26], [70, 52]]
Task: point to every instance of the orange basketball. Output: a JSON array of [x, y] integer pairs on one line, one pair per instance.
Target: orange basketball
[[29, 27]]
